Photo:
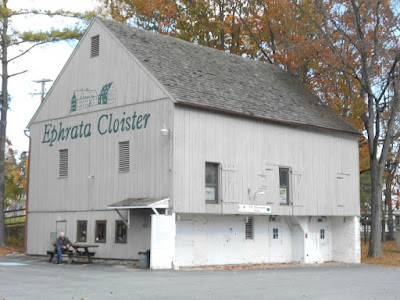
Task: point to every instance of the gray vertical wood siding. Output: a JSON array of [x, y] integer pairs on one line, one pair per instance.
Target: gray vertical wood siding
[[250, 151]]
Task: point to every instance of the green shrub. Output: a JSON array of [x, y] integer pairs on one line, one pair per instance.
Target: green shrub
[[15, 242]]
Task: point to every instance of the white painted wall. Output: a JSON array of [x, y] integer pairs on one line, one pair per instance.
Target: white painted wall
[[220, 240], [346, 244]]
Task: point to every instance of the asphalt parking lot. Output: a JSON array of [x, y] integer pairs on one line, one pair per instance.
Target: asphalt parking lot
[[35, 278]]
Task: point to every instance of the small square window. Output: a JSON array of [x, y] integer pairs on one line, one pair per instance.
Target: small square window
[[322, 234], [101, 230], [212, 182], [275, 233], [81, 233], [120, 232]]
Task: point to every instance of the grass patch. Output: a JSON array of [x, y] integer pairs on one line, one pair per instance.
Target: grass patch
[[15, 220], [391, 256]]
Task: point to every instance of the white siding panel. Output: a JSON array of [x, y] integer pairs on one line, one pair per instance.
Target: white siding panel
[[315, 159]]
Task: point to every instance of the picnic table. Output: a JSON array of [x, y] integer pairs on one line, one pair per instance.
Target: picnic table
[[79, 250], [82, 250]]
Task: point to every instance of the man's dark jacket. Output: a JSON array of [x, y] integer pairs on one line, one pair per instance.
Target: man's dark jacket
[[66, 242]]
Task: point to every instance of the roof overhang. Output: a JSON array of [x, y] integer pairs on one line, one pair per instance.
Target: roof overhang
[[140, 203]]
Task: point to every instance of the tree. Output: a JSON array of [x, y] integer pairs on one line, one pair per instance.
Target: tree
[[24, 41], [360, 41], [15, 178]]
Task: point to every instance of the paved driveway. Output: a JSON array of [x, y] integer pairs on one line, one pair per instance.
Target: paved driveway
[[34, 278]]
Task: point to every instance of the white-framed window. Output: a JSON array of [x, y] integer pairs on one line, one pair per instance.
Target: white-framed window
[[63, 163], [212, 183], [322, 234], [284, 186], [249, 228]]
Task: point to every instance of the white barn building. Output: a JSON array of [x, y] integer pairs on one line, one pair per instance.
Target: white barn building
[[204, 157]]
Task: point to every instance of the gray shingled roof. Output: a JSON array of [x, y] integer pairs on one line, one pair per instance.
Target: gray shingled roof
[[205, 77]]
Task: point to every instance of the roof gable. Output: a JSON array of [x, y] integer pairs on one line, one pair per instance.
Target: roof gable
[[205, 77], [86, 84]]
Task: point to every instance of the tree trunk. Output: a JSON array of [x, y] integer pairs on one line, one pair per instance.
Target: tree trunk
[[390, 221], [3, 122], [375, 244], [383, 225]]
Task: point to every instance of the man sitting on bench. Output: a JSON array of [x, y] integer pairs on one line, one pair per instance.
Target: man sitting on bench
[[62, 245]]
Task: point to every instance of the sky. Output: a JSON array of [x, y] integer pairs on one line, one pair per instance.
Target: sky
[[42, 62]]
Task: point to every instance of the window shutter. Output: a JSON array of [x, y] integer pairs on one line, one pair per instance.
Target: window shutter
[[229, 183], [123, 162], [63, 163], [249, 228], [95, 46]]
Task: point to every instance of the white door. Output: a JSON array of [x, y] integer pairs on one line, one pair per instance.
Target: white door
[[324, 244], [312, 248], [275, 242]]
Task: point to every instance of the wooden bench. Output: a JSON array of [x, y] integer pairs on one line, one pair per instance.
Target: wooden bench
[[52, 253]]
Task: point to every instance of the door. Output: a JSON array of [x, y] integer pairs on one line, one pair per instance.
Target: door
[[324, 243], [275, 242], [61, 226], [312, 248]]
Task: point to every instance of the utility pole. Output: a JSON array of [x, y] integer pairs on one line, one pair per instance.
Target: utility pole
[[43, 82]]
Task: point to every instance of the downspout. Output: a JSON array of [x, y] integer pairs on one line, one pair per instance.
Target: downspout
[[27, 190]]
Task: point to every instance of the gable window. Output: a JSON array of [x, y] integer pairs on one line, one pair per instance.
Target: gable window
[[284, 186], [275, 233], [123, 158], [212, 182], [249, 228], [120, 232], [101, 230], [81, 233], [63, 163], [322, 234], [95, 46]]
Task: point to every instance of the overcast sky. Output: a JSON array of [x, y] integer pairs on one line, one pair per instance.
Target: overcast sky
[[43, 62]]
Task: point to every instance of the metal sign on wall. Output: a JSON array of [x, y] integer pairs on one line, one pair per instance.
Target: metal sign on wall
[[258, 209]]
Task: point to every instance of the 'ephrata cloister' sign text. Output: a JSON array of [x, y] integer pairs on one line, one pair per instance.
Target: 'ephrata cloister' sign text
[[106, 124]]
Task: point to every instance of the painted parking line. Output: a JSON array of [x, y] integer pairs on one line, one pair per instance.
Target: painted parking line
[[12, 264]]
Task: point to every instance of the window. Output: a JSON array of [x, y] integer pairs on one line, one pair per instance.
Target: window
[[120, 232], [123, 161], [63, 163], [322, 234], [81, 233], [212, 179], [100, 234], [95, 46], [249, 228], [275, 233], [284, 185]]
